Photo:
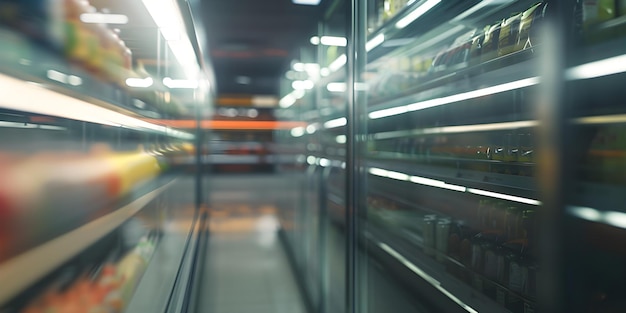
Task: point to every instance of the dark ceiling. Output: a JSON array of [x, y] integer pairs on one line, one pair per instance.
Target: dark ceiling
[[255, 39]]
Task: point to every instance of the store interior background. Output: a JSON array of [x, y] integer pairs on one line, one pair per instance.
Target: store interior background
[[342, 156]]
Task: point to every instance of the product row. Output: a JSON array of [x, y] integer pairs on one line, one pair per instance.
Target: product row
[[109, 288], [36, 189], [492, 250]]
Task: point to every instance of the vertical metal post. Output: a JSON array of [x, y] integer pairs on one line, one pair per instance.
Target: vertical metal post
[[554, 166]]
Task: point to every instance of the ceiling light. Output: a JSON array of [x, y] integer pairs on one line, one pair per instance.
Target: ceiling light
[[302, 85], [375, 42], [100, 18], [139, 82], [180, 83], [334, 41], [338, 63], [306, 2], [297, 132], [315, 40], [336, 123], [415, 14], [325, 72], [287, 101], [336, 87]]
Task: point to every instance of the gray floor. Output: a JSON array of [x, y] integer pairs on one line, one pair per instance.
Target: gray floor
[[246, 268]]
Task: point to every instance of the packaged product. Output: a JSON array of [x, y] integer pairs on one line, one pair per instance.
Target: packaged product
[[528, 20], [509, 35], [490, 42]]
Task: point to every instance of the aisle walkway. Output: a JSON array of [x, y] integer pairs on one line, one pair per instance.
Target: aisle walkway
[[247, 269]]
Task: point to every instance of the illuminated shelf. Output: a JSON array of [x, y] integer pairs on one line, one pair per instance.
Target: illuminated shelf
[[29, 267]]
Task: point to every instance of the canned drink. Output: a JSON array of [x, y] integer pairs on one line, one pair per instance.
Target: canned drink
[[441, 237], [428, 234]]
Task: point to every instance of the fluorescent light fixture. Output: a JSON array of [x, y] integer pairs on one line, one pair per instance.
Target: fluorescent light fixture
[[336, 123], [341, 139], [297, 132], [139, 82], [398, 176], [431, 280], [375, 42], [306, 2], [302, 84], [610, 66], [601, 119], [324, 72], [415, 14], [334, 41], [436, 183], [311, 129], [27, 97], [315, 40], [613, 218], [264, 101], [336, 87], [585, 213], [387, 112], [503, 196], [74, 80], [378, 172], [478, 127], [101, 18], [324, 162], [180, 83], [311, 160], [287, 101], [455, 98], [306, 67], [338, 63], [166, 15]]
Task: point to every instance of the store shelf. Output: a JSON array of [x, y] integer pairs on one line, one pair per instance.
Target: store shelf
[[519, 186], [34, 264]]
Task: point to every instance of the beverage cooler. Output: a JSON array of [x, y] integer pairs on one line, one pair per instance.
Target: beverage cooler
[[461, 156], [98, 211]]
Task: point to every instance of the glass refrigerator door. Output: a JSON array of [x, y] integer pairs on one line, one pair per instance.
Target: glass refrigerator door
[[595, 132], [449, 199]]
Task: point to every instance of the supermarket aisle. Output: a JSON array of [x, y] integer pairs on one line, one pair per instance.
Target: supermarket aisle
[[246, 268]]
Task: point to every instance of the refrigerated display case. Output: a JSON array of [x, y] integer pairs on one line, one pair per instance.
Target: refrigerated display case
[[482, 167], [93, 205]]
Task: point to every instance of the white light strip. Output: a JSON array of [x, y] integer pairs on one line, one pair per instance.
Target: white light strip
[[324, 162], [341, 139], [480, 127], [477, 7], [287, 101], [311, 160], [614, 65], [302, 84], [443, 185], [338, 63], [503, 196], [336, 123], [431, 280], [64, 78], [139, 82], [398, 176], [613, 218], [336, 87], [297, 132], [334, 41], [375, 42], [101, 18], [603, 119], [28, 97], [180, 83], [378, 172], [455, 98], [415, 14], [436, 183]]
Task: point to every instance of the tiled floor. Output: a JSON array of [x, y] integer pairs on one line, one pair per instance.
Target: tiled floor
[[246, 269]]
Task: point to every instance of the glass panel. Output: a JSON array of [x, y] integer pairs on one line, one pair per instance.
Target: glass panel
[[594, 106], [450, 199]]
